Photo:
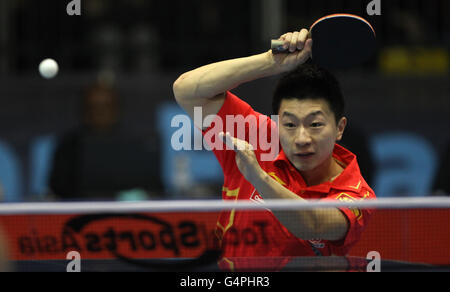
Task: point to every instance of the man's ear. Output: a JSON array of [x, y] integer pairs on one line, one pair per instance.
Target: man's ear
[[341, 128]]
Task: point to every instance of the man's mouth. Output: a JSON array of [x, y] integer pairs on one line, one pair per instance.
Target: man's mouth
[[304, 154]]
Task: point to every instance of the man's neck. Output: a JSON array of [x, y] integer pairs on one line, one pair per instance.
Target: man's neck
[[326, 172]]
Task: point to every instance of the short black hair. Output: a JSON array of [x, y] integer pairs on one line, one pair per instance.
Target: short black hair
[[310, 81]]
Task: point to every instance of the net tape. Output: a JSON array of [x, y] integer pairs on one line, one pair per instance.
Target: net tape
[[218, 205], [410, 222]]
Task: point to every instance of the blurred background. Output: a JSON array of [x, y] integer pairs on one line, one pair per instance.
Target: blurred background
[[101, 129]]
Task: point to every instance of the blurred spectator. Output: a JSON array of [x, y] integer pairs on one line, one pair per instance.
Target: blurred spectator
[[358, 143], [442, 181], [410, 28], [100, 160]]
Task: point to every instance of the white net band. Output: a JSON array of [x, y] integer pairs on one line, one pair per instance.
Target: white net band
[[217, 205]]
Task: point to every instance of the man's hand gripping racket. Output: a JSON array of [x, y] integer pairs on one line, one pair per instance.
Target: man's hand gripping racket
[[292, 49], [336, 41]]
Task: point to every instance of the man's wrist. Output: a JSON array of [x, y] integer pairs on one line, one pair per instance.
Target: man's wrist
[[259, 178], [273, 68]]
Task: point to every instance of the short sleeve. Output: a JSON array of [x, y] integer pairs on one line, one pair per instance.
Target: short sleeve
[[233, 112], [357, 221]]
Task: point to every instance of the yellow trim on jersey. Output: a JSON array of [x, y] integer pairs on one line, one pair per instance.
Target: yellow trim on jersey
[[274, 175], [230, 223], [356, 187], [343, 197], [231, 194], [366, 196], [230, 263]]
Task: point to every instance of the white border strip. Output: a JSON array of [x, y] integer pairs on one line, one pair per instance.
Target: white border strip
[[214, 206]]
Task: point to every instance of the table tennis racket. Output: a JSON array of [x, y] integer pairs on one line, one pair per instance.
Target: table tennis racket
[[339, 41]]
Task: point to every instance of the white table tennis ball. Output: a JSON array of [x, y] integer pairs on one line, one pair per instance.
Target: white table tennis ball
[[48, 68]]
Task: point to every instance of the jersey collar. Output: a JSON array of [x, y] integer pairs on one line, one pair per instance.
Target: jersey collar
[[349, 180]]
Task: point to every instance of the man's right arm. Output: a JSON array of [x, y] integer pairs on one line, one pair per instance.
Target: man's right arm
[[206, 86]]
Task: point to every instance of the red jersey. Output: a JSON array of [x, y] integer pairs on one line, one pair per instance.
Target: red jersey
[[259, 233]]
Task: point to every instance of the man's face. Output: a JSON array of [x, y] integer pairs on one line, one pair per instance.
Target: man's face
[[308, 132], [101, 109]]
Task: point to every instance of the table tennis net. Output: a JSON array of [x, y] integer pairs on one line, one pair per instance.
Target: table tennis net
[[403, 234]]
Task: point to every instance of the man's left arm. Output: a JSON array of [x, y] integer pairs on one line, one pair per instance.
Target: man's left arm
[[326, 224]]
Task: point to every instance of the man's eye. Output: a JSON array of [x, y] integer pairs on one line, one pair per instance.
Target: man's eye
[[289, 125], [317, 125]]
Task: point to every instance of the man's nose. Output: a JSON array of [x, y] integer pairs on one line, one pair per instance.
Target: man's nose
[[302, 137]]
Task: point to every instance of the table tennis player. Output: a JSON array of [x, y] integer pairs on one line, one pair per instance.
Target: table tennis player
[[309, 165]]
